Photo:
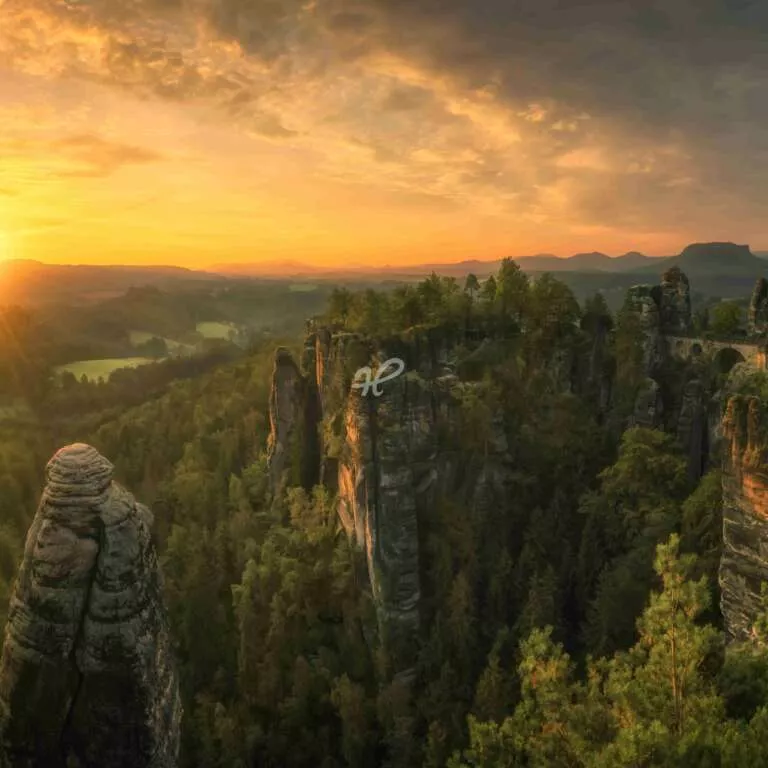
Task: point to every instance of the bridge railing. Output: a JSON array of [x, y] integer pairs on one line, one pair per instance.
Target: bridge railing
[[720, 338]]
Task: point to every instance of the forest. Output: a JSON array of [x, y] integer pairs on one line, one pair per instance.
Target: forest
[[575, 624]]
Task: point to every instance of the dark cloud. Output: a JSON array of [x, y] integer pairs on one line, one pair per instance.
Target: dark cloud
[[652, 63], [350, 22], [265, 28]]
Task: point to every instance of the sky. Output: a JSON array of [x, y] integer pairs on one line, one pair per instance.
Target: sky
[[341, 132]]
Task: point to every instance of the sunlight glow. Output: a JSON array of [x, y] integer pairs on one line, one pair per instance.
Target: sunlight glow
[[5, 246]]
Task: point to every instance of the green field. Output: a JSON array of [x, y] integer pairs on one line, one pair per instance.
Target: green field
[[101, 369], [174, 347], [302, 287], [210, 330]]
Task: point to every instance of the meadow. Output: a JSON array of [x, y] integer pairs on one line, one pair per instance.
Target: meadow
[[101, 369], [215, 330]]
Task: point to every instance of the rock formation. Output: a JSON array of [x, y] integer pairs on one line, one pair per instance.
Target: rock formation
[[758, 309], [644, 302], [693, 428], [744, 564], [675, 302], [664, 310], [389, 458], [86, 676], [649, 406], [286, 410]]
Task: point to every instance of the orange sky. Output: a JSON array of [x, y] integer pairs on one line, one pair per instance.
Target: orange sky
[[159, 131]]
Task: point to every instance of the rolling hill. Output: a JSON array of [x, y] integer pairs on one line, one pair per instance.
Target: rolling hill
[[24, 281]]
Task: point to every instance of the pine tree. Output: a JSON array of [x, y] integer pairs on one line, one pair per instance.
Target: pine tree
[[665, 705]]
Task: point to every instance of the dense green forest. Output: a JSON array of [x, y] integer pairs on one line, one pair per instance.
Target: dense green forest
[[576, 624]]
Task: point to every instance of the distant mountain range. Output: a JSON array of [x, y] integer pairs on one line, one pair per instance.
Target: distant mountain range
[[545, 262], [696, 259], [713, 268]]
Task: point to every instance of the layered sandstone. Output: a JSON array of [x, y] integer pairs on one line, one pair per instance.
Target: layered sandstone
[[389, 458], [86, 675], [744, 564]]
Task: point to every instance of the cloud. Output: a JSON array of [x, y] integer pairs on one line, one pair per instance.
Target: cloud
[[92, 156], [562, 113], [83, 155]]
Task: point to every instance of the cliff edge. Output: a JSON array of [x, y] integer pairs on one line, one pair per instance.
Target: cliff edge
[[744, 563]]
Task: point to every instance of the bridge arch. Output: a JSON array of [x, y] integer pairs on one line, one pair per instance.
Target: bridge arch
[[696, 349], [726, 358]]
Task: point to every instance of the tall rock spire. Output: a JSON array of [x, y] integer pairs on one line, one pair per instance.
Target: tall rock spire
[[86, 674]]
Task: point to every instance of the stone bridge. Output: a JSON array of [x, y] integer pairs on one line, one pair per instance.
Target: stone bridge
[[724, 353]]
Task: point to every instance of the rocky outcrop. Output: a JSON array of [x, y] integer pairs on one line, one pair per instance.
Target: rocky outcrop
[[286, 411], [662, 310], [86, 676], [644, 302], [675, 302], [744, 563], [757, 316], [649, 406], [388, 457], [693, 428]]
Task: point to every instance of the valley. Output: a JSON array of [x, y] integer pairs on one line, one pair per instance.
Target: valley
[[545, 491]]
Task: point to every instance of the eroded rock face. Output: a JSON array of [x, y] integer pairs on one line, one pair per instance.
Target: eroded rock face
[[392, 461], [286, 410], [693, 428], [744, 563], [644, 302], [758, 308], [675, 302], [649, 406], [87, 677]]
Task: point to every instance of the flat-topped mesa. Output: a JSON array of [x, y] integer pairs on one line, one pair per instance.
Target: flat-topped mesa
[[744, 563], [86, 676]]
